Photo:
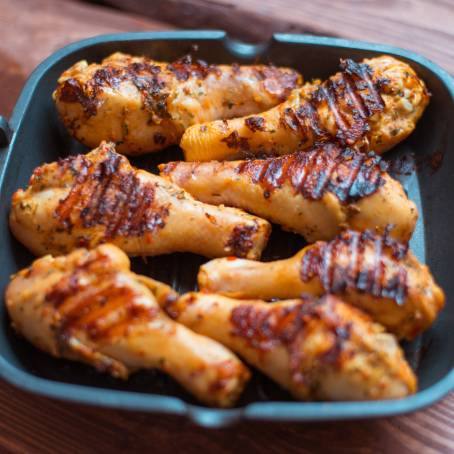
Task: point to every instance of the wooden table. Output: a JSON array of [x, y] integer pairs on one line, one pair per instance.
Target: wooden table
[[32, 29]]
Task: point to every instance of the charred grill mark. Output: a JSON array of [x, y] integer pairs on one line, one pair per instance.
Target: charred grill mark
[[234, 140], [309, 120], [98, 204], [363, 261], [278, 82], [186, 67], [361, 74], [290, 120], [120, 210], [326, 92], [265, 329], [348, 174], [351, 96], [145, 76], [241, 241], [341, 335], [106, 193], [369, 175], [91, 300], [108, 75], [87, 94], [152, 82], [71, 91], [144, 67], [154, 92], [255, 123]]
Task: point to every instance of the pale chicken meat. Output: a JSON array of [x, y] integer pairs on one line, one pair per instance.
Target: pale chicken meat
[[370, 105], [144, 105], [85, 200], [373, 272], [316, 193], [319, 349], [88, 306]]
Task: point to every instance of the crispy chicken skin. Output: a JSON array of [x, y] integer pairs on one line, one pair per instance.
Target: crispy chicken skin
[[315, 193], [317, 349], [88, 306], [372, 105], [86, 200], [373, 272], [143, 105]]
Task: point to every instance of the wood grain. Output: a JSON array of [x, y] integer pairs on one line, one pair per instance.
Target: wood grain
[[30, 31], [418, 25], [35, 424]]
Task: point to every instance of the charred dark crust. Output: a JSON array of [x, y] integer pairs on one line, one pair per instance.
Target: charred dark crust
[[234, 141], [242, 241], [266, 329], [186, 67], [87, 299], [255, 123], [109, 193], [144, 75], [340, 265], [153, 83], [278, 82], [71, 91], [348, 174], [352, 96]]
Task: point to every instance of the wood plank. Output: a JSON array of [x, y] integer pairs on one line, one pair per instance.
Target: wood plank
[[427, 28], [30, 30], [36, 424]]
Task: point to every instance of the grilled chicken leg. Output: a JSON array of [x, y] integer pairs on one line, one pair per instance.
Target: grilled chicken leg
[[375, 104], [88, 306], [143, 105], [321, 349], [315, 193], [373, 272], [89, 199]]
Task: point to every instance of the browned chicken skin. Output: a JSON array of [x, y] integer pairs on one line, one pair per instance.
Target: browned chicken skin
[[373, 105], [88, 306], [373, 272], [315, 193], [90, 199], [321, 349], [143, 105]]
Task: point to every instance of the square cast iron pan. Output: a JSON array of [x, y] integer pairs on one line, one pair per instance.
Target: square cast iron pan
[[34, 135]]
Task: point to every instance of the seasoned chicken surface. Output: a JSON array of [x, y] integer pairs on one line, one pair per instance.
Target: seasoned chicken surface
[[316, 349], [85, 200], [143, 105], [374, 104], [88, 306], [373, 272], [315, 193]]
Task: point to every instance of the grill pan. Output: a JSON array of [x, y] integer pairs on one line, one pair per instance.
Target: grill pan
[[424, 164]]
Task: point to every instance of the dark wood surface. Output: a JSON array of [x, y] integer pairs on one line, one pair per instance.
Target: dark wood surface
[[30, 31], [418, 25]]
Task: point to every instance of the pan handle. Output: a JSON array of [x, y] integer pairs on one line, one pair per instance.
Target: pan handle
[[5, 132]]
